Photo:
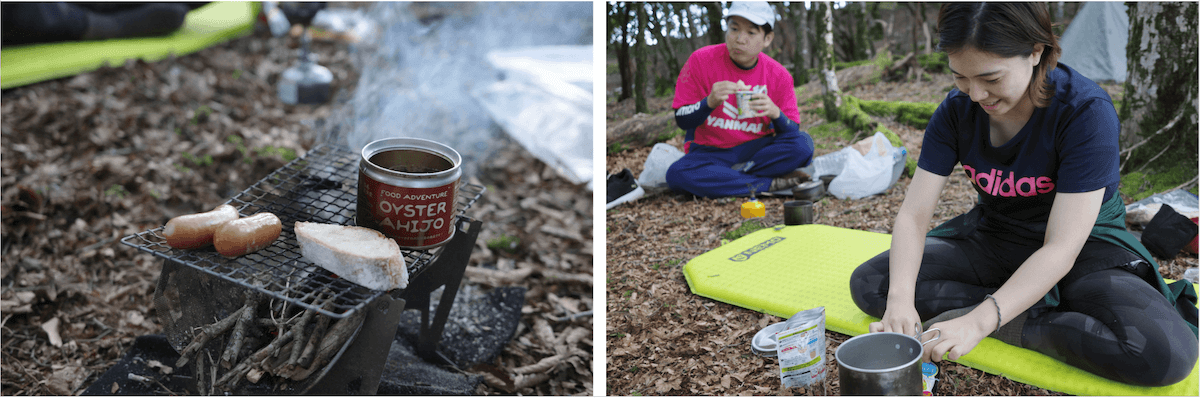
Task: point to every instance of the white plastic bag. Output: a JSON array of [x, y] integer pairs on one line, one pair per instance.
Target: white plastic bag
[[867, 175], [1142, 211], [654, 173], [545, 104]]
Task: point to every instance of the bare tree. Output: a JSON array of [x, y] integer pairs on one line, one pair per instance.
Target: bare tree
[[800, 68], [639, 94], [832, 96], [618, 20], [660, 28], [715, 14]]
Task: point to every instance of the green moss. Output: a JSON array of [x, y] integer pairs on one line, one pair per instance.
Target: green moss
[[882, 61], [117, 190], [844, 65], [831, 130], [856, 120], [505, 243], [667, 136], [936, 62], [1139, 185], [744, 229], [915, 114]]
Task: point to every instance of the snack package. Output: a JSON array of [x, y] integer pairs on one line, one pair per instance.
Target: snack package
[[928, 371], [743, 100], [801, 348]]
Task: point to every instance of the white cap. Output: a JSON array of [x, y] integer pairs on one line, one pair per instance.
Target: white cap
[[757, 12]]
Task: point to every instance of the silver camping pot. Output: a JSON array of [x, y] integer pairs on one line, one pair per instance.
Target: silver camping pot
[[881, 363]]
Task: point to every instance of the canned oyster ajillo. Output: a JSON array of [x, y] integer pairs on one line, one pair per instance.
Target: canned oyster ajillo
[[406, 190]]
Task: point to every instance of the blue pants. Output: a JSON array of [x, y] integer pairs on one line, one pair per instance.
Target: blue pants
[[706, 171]]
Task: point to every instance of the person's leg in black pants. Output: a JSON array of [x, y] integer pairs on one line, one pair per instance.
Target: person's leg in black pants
[[1114, 324]]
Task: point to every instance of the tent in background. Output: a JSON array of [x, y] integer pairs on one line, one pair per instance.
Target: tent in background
[[1094, 43]]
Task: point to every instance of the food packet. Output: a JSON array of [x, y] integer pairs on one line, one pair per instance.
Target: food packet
[[801, 348]]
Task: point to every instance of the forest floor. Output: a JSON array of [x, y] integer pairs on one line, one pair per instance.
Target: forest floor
[[664, 340], [90, 159]]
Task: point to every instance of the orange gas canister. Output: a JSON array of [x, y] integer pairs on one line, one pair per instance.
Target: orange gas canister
[[753, 209]]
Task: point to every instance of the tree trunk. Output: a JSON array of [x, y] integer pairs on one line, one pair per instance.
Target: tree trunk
[[643, 57], [917, 22], [925, 29], [862, 35], [715, 33], [802, 54], [624, 63], [685, 17], [666, 49], [1161, 88], [832, 96], [784, 37]]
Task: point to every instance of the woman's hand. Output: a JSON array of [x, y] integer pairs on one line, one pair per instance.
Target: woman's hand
[[720, 91], [762, 104], [898, 319], [959, 335]]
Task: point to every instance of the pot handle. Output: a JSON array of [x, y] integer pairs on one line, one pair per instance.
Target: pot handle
[[922, 334]]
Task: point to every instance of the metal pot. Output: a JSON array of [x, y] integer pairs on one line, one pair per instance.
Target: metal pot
[[881, 364], [808, 190]]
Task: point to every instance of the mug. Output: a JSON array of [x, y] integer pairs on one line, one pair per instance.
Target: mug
[[798, 212]]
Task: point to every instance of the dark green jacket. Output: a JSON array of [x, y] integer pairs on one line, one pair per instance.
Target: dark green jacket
[[1110, 227]]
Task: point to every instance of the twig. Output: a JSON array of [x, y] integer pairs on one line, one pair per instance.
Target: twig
[[567, 277], [543, 365], [496, 382], [573, 316], [527, 381], [238, 337], [206, 334], [88, 248], [297, 349], [1190, 182], [212, 374], [337, 336], [1168, 126], [1164, 150], [310, 349], [200, 375]]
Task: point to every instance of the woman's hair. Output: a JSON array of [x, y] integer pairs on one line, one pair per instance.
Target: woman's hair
[[1004, 29]]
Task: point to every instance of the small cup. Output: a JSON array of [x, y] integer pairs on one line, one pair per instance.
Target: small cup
[[798, 212], [743, 102]]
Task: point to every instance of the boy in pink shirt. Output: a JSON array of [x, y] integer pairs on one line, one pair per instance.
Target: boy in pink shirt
[[765, 137]]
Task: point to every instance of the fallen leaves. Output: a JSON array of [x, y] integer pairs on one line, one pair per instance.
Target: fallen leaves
[[654, 319], [98, 156]]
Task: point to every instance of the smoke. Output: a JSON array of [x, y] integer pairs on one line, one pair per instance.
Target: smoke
[[419, 69]]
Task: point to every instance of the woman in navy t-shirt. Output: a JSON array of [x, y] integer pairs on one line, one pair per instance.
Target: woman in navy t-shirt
[[1043, 261]]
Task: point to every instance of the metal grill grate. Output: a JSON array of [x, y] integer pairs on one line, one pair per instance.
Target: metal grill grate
[[320, 187]]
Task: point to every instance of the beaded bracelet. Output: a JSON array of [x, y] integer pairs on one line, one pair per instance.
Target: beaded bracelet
[[997, 311]]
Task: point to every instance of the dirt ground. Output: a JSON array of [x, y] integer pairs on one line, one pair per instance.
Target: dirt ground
[[99, 156], [663, 340]]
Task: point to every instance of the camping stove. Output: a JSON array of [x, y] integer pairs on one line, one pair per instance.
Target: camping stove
[[198, 287], [306, 82]]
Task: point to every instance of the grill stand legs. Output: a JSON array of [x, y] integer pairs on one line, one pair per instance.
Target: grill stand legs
[[447, 270], [362, 366]]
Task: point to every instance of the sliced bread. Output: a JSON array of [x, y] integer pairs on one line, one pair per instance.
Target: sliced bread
[[360, 255]]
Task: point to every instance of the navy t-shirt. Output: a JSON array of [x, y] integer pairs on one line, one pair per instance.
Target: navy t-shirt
[[1069, 146]]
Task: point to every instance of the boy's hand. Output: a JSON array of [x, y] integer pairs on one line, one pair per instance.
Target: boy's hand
[[761, 103], [721, 90]]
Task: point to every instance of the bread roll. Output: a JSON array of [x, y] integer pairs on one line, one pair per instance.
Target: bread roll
[[360, 255]]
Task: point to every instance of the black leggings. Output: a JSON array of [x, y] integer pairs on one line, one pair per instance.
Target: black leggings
[[1110, 321]]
